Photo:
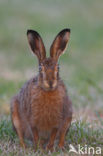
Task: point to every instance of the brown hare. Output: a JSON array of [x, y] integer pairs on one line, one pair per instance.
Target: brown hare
[[42, 109]]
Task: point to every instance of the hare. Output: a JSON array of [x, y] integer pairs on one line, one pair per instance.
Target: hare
[[42, 109]]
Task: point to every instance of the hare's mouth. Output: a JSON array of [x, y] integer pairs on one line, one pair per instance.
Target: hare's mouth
[[49, 88]]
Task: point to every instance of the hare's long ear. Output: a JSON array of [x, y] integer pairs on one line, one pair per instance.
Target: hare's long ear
[[36, 44], [59, 44]]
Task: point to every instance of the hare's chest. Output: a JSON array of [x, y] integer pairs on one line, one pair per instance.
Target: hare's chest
[[47, 111]]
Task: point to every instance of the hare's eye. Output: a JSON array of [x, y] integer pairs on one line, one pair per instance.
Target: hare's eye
[[41, 67], [58, 67]]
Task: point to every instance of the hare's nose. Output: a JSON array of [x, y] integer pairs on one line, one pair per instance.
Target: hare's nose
[[50, 84]]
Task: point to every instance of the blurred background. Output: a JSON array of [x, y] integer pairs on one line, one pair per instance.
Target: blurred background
[[81, 65]]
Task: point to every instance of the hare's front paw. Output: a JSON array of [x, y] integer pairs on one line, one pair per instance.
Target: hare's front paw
[[61, 146], [22, 144], [49, 147]]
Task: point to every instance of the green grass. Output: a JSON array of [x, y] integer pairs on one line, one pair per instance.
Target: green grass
[[79, 133], [81, 67]]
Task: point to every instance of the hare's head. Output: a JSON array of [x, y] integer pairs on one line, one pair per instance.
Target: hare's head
[[48, 67]]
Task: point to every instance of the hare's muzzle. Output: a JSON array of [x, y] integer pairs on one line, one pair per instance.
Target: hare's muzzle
[[50, 85]]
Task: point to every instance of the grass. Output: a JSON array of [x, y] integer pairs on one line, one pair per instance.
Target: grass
[[81, 67], [79, 133]]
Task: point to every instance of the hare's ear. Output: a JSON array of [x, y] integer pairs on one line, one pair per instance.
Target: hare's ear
[[59, 44], [36, 44]]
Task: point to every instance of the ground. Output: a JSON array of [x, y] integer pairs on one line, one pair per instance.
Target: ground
[[81, 67]]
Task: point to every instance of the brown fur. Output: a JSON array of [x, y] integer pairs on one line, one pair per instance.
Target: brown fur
[[42, 108]]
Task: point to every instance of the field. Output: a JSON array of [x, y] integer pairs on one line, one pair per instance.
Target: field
[[81, 67]]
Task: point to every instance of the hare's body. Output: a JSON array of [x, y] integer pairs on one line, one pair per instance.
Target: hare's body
[[42, 109]]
